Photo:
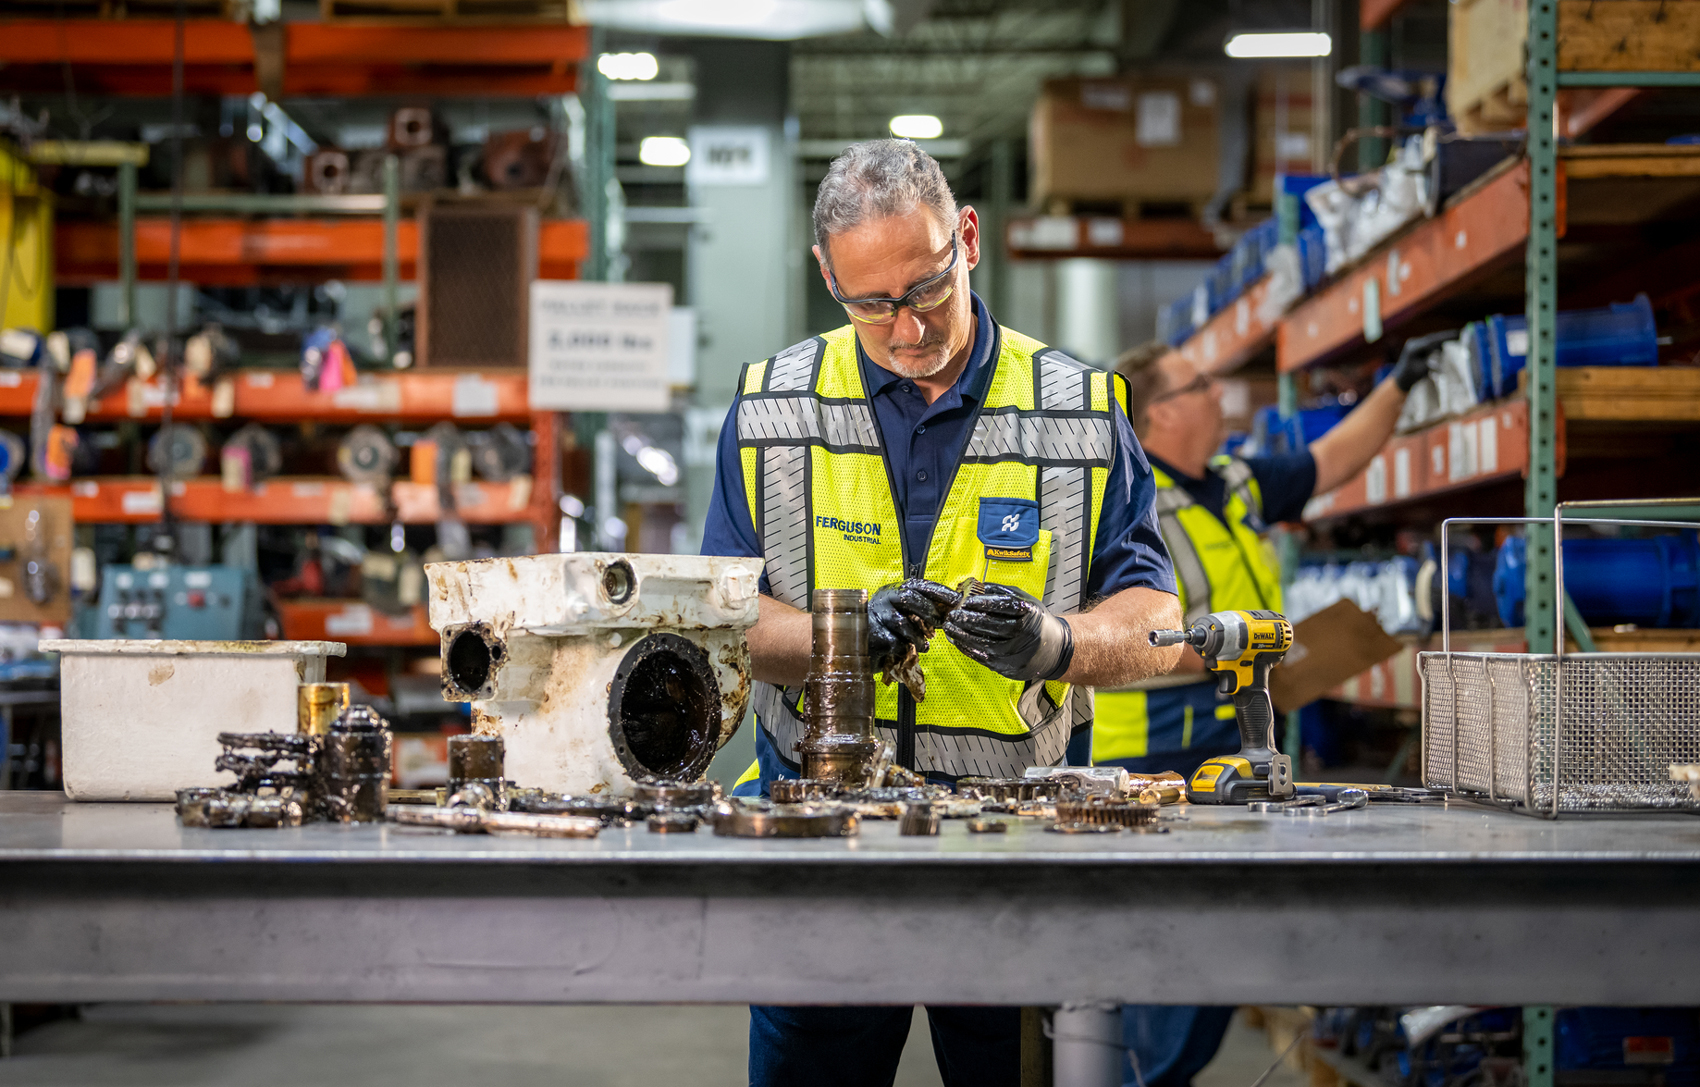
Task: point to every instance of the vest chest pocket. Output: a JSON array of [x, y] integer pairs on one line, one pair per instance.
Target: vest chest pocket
[[1015, 551]]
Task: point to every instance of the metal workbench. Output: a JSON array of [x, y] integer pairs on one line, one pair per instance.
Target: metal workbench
[[1393, 904]]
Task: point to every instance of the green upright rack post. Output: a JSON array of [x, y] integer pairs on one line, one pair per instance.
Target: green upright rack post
[[1541, 623]]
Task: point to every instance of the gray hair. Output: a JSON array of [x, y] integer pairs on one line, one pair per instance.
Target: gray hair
[[876, 180]]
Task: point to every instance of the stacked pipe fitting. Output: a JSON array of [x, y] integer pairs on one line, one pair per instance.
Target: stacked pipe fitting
[[838, 743]]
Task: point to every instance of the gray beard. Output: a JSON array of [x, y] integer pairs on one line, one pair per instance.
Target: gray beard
[[922, 370]]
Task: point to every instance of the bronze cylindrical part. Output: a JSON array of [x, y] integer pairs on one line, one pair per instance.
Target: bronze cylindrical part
[[317, 705], [478, 760], [838, 737]]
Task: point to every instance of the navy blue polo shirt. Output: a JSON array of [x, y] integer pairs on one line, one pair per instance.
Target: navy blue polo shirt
[[923, 443], [1285, 481]]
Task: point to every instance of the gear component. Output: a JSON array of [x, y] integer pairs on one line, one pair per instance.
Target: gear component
[[785, 821], [677, 794], [177, 451], [674, 822], [366, 455], [1108, 810]]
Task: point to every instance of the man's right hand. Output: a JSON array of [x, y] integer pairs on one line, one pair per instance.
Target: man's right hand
[[905, 615]]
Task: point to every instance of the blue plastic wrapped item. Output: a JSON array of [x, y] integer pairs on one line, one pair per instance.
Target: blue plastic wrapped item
[[1174, 321], [1293, 187], [1662, 1042], [1308, 424], [1621, 334], [1248, 254], [1652, 582], [1313, 256]]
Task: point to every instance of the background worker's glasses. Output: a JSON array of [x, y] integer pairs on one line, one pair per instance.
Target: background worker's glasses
[[922, 297]]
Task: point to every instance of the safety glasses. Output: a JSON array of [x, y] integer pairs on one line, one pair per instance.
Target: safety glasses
[[922, 297]]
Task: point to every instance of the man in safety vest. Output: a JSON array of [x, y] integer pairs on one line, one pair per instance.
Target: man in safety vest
[[1214, 511], [916, 447]]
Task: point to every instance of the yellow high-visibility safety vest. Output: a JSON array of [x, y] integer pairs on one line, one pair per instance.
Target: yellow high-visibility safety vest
[[1218, 567], [1021, 511]]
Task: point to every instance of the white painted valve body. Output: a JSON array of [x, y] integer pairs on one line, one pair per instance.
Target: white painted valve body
[[598, 669]]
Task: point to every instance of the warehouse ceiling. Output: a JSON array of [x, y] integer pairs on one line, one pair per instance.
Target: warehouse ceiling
[[978, 64]]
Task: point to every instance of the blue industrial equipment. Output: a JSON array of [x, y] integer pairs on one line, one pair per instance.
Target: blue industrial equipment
[[1654, 582], [196, 603]]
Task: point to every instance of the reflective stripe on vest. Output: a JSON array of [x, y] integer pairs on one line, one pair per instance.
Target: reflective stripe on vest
[[820, 496], [1219, 566]]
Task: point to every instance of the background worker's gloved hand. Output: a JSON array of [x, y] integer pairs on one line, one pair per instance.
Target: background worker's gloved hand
[[905, 615], [1416, 358], [1011, 633]]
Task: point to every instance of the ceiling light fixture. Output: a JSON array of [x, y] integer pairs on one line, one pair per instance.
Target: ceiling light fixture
[[1262, 45], [628, 66], [917, 126], [664, 151]]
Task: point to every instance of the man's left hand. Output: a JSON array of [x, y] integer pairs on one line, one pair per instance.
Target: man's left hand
[[1011, 633]]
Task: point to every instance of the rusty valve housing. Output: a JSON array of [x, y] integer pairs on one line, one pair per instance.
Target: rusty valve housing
[[838, 745]]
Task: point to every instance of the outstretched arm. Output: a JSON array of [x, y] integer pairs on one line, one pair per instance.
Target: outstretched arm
[[1111, 643]]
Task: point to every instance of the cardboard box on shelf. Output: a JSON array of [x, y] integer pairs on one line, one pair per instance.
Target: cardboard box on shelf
[[1485, 88], [1136, 141], [1329, 648], [1281, 124]]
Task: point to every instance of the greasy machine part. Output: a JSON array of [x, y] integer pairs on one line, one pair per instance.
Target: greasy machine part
[[664, 708], [785, 821], [319, 704], [673, 822], [470, 663], [677, 794], [1119, 811], [918, 821], [838, 744], [477, 760], [354, 767]]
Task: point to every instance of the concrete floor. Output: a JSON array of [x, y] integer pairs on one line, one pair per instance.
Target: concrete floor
[[415, 1046]]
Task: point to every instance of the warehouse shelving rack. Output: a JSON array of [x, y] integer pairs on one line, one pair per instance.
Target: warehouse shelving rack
[[240, 239], [1505, 227]]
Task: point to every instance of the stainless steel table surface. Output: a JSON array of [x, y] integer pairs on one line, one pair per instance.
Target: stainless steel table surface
[[1391, 904]]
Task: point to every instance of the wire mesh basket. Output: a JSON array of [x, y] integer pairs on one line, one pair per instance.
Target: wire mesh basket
[[1545, 733]]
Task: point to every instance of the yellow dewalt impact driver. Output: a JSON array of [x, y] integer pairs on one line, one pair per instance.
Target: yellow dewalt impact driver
[[1240, 647]]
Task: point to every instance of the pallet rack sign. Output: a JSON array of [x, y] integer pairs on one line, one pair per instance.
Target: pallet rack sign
[[599, 346]]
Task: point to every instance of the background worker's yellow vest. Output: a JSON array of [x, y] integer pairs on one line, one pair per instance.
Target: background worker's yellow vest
[[1022, 511], [1218, 567]]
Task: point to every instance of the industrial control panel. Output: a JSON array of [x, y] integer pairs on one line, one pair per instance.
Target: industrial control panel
[[214, 603]]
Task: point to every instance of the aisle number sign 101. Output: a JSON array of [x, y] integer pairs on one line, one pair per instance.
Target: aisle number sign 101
[[599, 346]]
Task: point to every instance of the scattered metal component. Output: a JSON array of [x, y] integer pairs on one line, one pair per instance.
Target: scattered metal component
[[1008, 788], [472, 820], [1349, 800], [540, 826], [415, 796], [673, 822], [254, 756], [478, 761], [1165, 788], [785, 821], [918, 821], [797, 790], [1087, 828], [317, 705], [1106, 780], [354, 767], [1119, 811], [1275, 807], [220, 808], [838, 742], [677, 794], [475, 794], [987, 826]]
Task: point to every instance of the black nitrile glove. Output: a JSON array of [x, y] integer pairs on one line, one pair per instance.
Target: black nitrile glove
[[1011, 633], [1416, 358], [903, 615]]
